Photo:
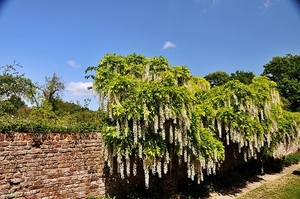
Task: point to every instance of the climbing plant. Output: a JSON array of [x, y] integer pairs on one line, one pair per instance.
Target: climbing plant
[[157, 112]]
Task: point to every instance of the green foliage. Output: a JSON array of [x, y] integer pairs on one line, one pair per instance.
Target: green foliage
[[242, 76], [273, 165], [41, 120], [11, 105], [220, 78], [291, 159], [217, 78], [6, 107], [14, 84], [157, 112], [285, 72], [52, 114], [150, 108], [52, 90]]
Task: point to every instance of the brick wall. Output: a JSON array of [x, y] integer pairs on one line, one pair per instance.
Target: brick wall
[[282, 150], [51, 166], [35, 166]]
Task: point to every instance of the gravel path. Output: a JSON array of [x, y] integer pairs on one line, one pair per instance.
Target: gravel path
[[257, 181]]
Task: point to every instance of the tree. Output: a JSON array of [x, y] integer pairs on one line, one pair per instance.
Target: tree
[[242, 76], [14, 84], [217, 78], [53, 89], [285, 71], [12, 105]]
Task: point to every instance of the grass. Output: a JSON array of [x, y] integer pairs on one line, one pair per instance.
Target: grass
[[286, 187]]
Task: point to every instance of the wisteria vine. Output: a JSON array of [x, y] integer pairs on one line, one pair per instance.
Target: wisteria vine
[[156, 112]]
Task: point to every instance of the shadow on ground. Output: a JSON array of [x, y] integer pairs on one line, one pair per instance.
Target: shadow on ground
[[237, 189], [230, 182], [296, 172]]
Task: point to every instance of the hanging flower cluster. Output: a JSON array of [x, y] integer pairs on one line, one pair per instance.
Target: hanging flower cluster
[[156, 112], [251, 116]]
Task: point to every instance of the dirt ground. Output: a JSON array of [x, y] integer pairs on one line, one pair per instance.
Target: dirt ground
[[254, 183]]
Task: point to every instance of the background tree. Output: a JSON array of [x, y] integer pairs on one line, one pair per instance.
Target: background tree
[[217, 78], [242, 76], [12, 105], [220, 78], [53, 90], [285, 71], [12, 83], [51, 113]]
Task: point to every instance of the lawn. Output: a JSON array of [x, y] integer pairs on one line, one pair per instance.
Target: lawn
[[286, 187]]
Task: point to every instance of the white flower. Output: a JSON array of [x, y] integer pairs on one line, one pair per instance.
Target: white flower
[[171, 134], [134, 169], [158, 168], [135, 131], [117, 129]]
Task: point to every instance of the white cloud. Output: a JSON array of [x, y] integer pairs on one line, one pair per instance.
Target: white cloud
[[79, 88], [169, 44], [73, 63], [268, 3], [203, 11]]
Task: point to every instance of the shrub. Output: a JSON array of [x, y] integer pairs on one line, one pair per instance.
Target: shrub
[[291, 159], [273, 165]]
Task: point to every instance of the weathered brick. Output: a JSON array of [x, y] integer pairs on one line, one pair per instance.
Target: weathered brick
[[67, 150], [18, 153], [20, 143], [4, 144], [2, 137], [4, 153], [67, 165], [35, 187], [52, 176], [35, 151], [94, 186], [7, 161]]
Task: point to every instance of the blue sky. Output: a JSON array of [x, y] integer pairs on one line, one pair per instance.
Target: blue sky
[[206, 35]]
